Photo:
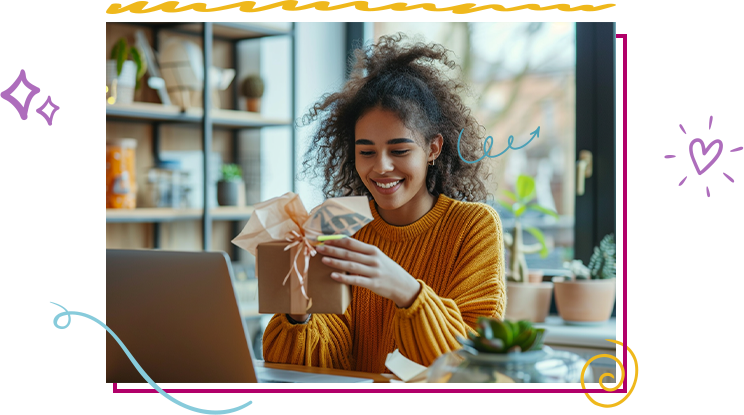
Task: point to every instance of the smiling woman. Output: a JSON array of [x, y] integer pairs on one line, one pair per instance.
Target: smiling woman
[[431, 261]]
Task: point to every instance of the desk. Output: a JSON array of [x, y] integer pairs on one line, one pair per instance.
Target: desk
[[585, 341], [376, 378]]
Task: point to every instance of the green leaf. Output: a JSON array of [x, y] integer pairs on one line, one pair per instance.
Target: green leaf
[[524, 325], [508, 206], [141, 63], [537, 345], [510, 195], [122, 51], [523, 337], [540, 238], [525, 187], [529, 341], [519, 209], [535, 206], [514, 329], [502, 331]]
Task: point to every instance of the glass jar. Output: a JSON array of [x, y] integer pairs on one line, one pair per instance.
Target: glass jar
[[539, 366], [168, 185], [121, 183]]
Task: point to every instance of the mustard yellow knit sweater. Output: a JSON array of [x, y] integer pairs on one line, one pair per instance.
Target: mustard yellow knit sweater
[[456, 252]]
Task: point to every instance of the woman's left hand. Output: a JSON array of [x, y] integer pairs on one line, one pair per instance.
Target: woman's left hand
[[369, 268]]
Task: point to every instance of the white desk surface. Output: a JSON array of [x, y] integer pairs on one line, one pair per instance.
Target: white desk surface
[[559, 333]]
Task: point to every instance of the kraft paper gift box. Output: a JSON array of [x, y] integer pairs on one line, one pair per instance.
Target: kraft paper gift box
[[273, 261], [282, 235]]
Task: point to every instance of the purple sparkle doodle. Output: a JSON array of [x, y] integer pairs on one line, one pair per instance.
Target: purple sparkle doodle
[[49, 117], [6, 95]]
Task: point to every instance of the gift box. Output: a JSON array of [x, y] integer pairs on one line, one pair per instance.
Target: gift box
[[328, 296], [282, 235]]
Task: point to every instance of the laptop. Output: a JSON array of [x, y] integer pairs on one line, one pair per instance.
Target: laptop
[[177, 313]]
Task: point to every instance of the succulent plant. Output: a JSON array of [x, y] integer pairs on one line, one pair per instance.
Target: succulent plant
[[253, 86], [121, 52], [602, 263], [497, 336], [231, 172]]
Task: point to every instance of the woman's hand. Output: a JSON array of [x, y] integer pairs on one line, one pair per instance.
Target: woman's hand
[[369, 268]]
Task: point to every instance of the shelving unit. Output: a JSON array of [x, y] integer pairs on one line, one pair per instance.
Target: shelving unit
[[208, 120]]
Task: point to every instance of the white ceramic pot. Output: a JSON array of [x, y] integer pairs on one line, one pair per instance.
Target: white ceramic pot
[[125, 82]]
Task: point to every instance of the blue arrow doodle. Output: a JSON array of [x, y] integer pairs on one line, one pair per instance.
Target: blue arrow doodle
[[138, 367], [489, 142]]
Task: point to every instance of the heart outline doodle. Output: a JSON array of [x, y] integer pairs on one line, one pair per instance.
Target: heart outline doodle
[[706, 149]]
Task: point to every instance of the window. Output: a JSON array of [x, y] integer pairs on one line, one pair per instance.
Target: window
[[522, 75]]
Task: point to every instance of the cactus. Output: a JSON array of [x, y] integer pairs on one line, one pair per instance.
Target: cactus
[[602, 263], [253, 87], [497, 336]]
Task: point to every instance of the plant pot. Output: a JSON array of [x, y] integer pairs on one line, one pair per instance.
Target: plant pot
[[228, 193], [585, 302], [253, 104], [529, 301], [123, 90], [535, 276]]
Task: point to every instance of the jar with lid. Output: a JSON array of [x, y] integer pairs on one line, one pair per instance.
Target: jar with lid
[[121, 183]]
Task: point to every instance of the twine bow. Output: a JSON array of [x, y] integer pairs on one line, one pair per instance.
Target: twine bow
[[304, 246]]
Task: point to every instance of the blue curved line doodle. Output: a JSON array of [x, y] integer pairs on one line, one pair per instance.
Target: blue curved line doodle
[[488, 143], [68, 314]]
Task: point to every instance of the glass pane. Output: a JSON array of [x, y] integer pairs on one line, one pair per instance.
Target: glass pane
[[522, 75]]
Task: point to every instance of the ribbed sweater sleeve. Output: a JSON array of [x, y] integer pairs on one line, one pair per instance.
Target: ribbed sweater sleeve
[[324, 341], [475, 287]]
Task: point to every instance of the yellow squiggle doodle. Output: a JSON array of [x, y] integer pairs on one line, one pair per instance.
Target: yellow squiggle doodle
[[622, 371], [139, 7]]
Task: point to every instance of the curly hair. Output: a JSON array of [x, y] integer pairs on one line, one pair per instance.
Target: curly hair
[[406, 81]]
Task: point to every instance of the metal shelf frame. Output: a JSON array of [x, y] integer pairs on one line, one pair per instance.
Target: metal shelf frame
[[209, 119]]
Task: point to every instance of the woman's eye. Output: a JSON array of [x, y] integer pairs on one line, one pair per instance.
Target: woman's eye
[[366, 153], [399, 152]]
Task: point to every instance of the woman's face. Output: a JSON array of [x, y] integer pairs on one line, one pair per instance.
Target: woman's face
[[391, 162]]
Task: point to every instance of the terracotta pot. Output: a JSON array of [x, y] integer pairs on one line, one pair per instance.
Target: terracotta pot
[[535, 276], [585, 301], [528, 301], [253, 104]]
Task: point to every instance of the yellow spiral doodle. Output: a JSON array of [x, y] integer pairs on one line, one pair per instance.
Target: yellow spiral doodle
[[622, 371]]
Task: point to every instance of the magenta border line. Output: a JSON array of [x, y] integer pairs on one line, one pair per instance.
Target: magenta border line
[[624, 37], [625, 303]]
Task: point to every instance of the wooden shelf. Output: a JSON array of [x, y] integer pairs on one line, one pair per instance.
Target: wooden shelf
[[152, 215], [233, 31], [147, 111], [232, 212]]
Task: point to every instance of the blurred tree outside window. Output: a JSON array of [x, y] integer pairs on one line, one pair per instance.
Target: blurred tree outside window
[[521, 76]]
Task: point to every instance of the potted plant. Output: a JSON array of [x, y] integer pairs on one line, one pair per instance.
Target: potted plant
[[253, 89], [229, 185], [526, 300], [496, 349], [123, 75], [590, 296]]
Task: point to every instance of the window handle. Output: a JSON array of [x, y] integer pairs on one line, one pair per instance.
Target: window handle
[[583, 170]]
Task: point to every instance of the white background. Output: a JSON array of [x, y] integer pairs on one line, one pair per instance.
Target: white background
[[685, 249]]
